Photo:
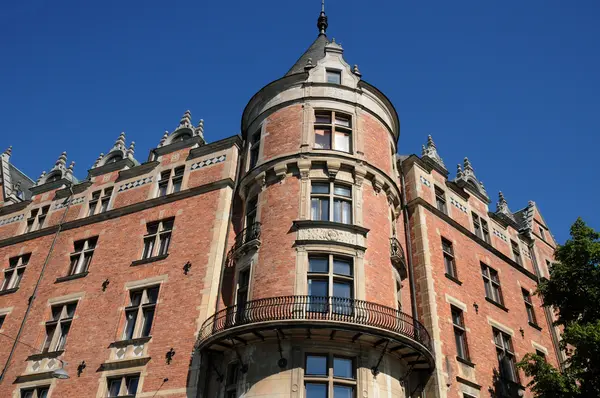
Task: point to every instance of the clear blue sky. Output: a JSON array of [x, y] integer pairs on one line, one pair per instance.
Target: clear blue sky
[[513, 85]]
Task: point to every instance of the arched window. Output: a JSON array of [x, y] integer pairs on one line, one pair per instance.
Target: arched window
[[53, 177], [182, 137], [114, 158]]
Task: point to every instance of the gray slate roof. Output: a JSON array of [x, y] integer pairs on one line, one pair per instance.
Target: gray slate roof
[[316, 52]]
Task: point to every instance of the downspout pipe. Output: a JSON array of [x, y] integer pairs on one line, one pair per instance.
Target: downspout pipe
[[548, 315], [37, 285]]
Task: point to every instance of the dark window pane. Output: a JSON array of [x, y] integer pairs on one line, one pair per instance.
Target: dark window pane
[[130, 317], [342, 367], [152, 294], [334, 76], [317, 287], [43, 392], [132, 384], [148, 247], [342, 267], [342, 190], [136, 298], [114, 386], [318, 264], [314, 390], [148, 317], [342, 289], [322, 138], [320, 187], [27, 393], [323, 118], [152, 228], [71, 310], [165, 240], [343, 392], [316, 365]]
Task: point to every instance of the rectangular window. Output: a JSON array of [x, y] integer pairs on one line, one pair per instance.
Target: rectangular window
[[14, 273], [242, 293], [37, 218], [529, 307], [506, 356], [170, 181], [460, 333], [100, 201], [42, 217], [481, 228], [58, 327], [542, 233], [82, 255], [123, 386], [449, 263], [35, 392], [329, 376], [158, 238], [2, 319], [334, 76], [139, 315], [330, 284], [232, 377], [491, 283], [440, 200], [331, 202], [541, 354], [516, 252], [333, 130], [254, 149]]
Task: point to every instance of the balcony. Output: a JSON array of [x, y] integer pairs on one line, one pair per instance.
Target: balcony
[[246, 240], [397, 257], [314, 317]]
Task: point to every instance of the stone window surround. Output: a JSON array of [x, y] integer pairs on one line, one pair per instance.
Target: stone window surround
[[242, 265], [261, 130], [304, 251], [5, 312], [51, 383], [108, 374]]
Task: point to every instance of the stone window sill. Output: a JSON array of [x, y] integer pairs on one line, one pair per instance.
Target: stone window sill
[[149, 260], [535, 326], [9, 291], [47, 354], [71, 277], [489, 300], [123, 343], [453, 279], [468, 383], [465, 361]]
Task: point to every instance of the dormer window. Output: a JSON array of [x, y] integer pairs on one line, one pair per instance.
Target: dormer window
[[53, 177], [334, 76], [114, 158], [182, 137]]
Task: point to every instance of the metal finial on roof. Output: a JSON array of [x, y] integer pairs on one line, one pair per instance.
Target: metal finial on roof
[[322, 21], [8, 150]]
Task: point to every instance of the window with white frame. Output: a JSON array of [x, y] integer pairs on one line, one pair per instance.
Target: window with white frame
[[491, 283], [506, 356], [331, 201], [14, 273], [58, 327], [35, 392], [333, 130], [123, 386], [330, 283], [333, 76], [37, 218], [254, 149], [481, 228], [139, 314], [100, 201], [158, 238], [327, 375], [170, 181], [82, 255]]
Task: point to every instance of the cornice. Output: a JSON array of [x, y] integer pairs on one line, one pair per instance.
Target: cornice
[[216, 146], [432, 209], [121, 211]]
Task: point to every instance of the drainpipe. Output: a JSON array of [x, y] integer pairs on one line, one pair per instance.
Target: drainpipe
[[37, 285], [547, 313], [411, 274]]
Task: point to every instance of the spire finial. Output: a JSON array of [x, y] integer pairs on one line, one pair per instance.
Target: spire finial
[[502, 205], [322, 21], [8, 150], [131, 149]]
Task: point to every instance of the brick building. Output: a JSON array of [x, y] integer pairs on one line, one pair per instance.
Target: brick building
[[303, 258]]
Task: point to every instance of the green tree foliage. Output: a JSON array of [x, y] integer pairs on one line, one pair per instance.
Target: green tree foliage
[[573, 290]]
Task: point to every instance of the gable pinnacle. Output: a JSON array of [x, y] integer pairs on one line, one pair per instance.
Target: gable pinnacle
[[186, 120], [430, 151], [62, 160], [120, 142], [131, 149], [322, 21], [459, 173], [97, 162], [502, 205], [164, 138], [8, 151], [200, 128]]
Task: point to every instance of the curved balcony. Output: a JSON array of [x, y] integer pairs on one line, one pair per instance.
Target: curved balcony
[[316, 317], [245, 240]]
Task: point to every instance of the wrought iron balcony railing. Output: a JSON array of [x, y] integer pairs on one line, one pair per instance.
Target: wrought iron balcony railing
[[316, 309], [247, 235]]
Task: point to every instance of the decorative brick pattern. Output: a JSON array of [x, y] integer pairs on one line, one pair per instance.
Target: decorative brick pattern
[[208, 162], [75, 201], [135, 184], [458, 205], [425, 181], [500, 235], [12, 219]]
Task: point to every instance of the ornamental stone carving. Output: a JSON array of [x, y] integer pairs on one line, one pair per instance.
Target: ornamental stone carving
[[333, 235]]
